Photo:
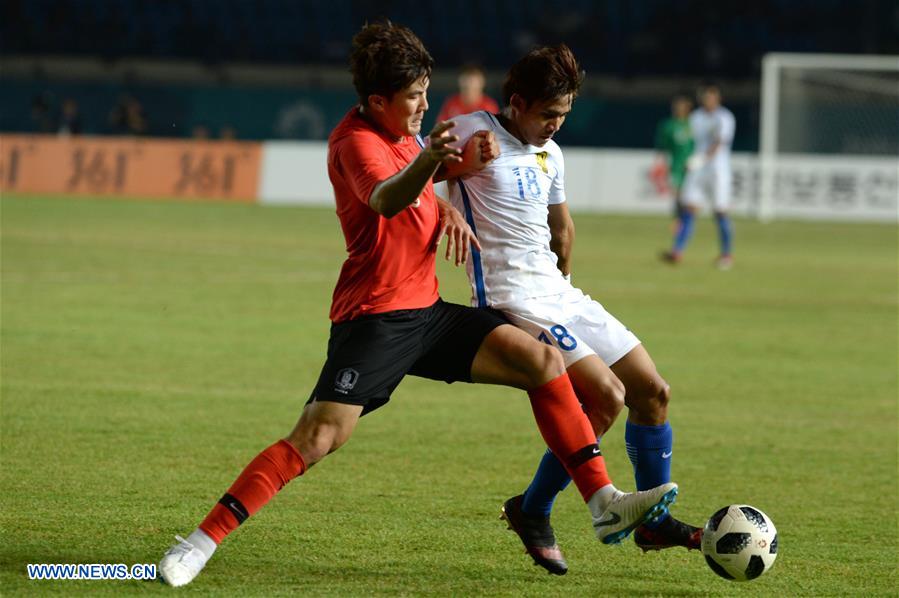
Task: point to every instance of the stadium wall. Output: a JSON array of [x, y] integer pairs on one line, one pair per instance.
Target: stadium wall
[[295, 173], [130, 167]]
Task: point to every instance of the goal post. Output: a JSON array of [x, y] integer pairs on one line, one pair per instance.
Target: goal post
[[831, 122]]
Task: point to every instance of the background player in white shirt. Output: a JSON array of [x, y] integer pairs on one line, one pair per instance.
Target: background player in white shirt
[[708, 175], [516, 207]]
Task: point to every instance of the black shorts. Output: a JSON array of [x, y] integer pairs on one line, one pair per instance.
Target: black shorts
[[369, 356]]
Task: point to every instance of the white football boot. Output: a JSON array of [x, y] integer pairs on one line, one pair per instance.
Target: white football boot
[[628, 510], [181, 563]]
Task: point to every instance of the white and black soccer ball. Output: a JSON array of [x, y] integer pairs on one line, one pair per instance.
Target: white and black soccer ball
[[739, 542]]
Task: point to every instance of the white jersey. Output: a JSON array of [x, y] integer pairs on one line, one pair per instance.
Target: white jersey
[[507, 206], [709, 127]]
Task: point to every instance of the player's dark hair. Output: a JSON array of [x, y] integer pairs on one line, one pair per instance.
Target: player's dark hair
[[386, 58], [472, 68], [546, 73], [708, 86]]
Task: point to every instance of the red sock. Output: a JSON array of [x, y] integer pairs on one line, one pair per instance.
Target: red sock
[[568, 434], [255, 486]]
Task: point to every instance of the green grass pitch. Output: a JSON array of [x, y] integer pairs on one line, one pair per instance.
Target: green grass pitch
[[151, 349]]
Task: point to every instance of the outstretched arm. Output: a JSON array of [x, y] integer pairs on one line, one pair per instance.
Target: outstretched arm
[[391, 196], [561, 228]]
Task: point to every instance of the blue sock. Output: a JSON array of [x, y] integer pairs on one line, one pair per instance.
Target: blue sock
[[725, 233], [550, 479], [684, 231], [649, 449]]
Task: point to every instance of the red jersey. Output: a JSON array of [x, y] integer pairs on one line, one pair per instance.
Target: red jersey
[[391, 261], [454, 106]]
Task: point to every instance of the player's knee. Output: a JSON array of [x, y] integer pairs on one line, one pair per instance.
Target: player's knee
[[553, 365], [547, 364], [657, 400], [649, 403], [316, 440]]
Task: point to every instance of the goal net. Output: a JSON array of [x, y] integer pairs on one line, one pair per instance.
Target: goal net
[[829, 136]]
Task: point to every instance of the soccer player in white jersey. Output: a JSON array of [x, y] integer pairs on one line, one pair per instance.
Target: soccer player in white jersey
[[708, 175], [516, 207]]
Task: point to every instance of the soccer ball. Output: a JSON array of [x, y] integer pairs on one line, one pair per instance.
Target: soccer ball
[[739, 542]]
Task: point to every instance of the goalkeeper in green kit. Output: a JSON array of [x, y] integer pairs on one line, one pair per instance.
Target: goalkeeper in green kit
[[674, 143]]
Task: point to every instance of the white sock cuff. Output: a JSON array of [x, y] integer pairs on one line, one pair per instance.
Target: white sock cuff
[[202, 542]]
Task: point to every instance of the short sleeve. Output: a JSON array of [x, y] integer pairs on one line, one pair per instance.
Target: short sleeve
[[725, 128], [468, 124], [557, 187], [364, 163]]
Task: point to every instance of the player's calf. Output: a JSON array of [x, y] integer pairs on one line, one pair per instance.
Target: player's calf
[[323, 427]]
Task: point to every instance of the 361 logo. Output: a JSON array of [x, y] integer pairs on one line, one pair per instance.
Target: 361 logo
[[98, 171], [206, 174]]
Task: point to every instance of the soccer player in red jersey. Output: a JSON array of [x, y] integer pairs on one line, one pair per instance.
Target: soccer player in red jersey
[[388, 319], [470, 98]]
